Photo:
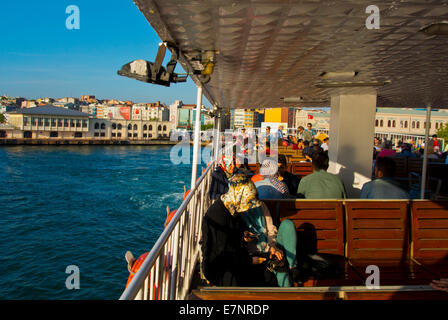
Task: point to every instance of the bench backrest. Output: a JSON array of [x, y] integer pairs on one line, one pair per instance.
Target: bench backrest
[[301, 169], [377, 229], [430, 229], [320, 224]]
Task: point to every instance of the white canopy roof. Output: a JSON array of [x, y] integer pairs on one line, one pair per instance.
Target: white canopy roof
[[267, 49]]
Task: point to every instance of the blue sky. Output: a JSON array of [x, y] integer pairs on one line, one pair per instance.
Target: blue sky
[[40, 57]]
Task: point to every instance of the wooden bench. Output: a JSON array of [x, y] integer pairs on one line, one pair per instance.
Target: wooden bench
[[378, 233], [301, 169], [430, 236], [320, 229]]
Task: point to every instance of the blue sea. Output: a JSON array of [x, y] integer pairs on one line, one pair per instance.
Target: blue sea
[[83, 206]]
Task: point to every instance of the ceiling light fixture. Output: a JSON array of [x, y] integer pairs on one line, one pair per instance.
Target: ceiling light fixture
[[337, 75], [437, 28]]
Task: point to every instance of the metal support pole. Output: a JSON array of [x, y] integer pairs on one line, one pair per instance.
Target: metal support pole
[[217, 138], [425, 156], [197, 136]]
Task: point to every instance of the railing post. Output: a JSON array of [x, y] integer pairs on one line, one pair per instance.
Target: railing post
[[425, 156]]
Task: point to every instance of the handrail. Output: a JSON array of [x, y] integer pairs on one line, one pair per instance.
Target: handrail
[[138, 281]]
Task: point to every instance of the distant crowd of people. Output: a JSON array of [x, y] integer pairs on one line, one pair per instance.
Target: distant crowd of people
[[241, 245]]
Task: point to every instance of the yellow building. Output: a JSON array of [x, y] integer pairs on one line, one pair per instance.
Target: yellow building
[[276, 115]]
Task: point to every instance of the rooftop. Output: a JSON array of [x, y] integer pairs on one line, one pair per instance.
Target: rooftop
[[51, 111]]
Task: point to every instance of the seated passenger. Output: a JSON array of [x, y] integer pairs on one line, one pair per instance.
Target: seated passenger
[[271, 187], [263, 242], [220, 184], [321, 184], [291, 180], [383, 187]]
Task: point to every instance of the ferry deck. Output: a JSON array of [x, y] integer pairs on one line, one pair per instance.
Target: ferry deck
[[345, 55]]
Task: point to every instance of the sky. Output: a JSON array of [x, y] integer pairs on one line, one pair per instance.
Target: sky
[[40, 57]]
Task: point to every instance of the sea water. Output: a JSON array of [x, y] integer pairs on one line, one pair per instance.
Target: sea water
[[82, 206]]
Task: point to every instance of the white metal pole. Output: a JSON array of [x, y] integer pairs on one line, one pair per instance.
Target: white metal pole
[[197, 135], [217, 137], [425, 155]]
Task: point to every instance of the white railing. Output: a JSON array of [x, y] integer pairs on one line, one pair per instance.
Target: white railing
[[408, 138], [168, 269]]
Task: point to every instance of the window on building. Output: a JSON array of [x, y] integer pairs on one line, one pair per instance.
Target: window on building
[[376, 123], [53, 122], [150, 135], [27, 134], [145, 127], [388, 123], [413, 124], [164, 128], [53, 134], [401, 124], [72, 123], [150, 127], [78, 134], [103, 134], [119, 134], [381, 123], [25, 121], [114, 126], [114, 134], [135, 127], [437, 125], [135, 135], [103, 126], [159, 128], [3, 133], [393, 123], [78, 123], [59, 122], [65, 122], [129, 135], [119, 126], [84, 123], [47, 122], [40, 121], [145, 135], [96, 134], [97, 125], [129, 127], [406, 124], [34, 121], [418, 124]]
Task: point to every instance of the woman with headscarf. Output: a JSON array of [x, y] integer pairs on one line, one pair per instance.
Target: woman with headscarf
[[220, 177], [238, 233], [261, 237], [271, 187]]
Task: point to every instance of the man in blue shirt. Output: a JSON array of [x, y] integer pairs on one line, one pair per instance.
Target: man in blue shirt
[[383, 187]]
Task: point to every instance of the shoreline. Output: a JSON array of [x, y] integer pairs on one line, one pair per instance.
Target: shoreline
[[83, 142]]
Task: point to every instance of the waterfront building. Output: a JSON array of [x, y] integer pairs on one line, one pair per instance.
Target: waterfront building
[[129, 129], [387, 120], [50, 122], [276, 115], [248, 118], [28, 104], [88, 99]]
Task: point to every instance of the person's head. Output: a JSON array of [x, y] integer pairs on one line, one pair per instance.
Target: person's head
[[242, 195], [376, 141], [268, 129], [306, 143], [309, 125], [294, 139], [327, 140], [320, 160], [243, 130], [269, 168], [301, 129], [385, 167], [280, 128], [227, 164], [434, 137], [388, 144], [282, 166]]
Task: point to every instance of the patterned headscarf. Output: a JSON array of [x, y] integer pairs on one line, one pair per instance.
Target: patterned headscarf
[[242, 195], [225, 162], [269, 170]]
